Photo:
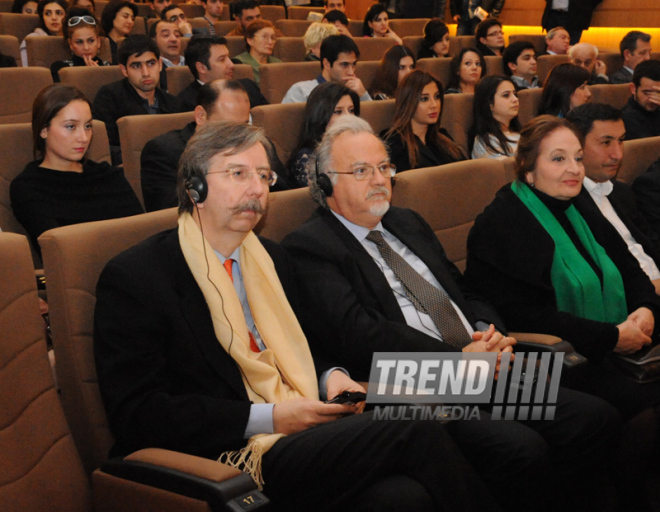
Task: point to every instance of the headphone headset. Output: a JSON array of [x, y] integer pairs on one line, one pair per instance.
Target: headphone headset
[[197, 189], [323, 181]]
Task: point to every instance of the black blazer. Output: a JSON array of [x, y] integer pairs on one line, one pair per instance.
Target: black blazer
[[164, 378], [647, 192], [348, 308], [429, 156], [624, 203], [579, 13]]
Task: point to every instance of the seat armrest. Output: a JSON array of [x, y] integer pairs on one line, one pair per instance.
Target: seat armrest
[[221, 486], [535, 342]]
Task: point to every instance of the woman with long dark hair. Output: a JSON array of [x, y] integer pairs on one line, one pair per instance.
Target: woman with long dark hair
[[62, 186], [565, 88], [327, 102], [416, 139], [496, 129], [395, 65], [466, 68], [51, 17], [377, 24], [117, 20], [436, 40]]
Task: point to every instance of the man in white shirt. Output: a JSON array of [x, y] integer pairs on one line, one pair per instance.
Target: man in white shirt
[[339, 56], [603, 198], [168, 39]]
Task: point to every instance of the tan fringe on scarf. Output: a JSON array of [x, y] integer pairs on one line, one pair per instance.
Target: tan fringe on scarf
[[285, 369]]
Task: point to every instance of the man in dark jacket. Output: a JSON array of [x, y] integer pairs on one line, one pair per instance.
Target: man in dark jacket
[[137, 94], [641, 114]]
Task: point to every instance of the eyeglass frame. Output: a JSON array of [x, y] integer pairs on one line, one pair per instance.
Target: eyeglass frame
[[75, 20], [250, 172], [389, 165]]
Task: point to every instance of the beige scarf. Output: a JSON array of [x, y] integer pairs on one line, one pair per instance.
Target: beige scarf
[[285, 369]]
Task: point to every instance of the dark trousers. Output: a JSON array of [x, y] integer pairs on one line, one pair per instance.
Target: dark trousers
[[562, 19]]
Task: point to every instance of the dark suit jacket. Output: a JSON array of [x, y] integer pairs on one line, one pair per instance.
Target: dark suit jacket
[[647, 192], [640, 123], [579, 13], [159, 163], [349, 309], [623, 201], [120, 99], [188, 96], [164, 378], [622, 76], [429, 156]]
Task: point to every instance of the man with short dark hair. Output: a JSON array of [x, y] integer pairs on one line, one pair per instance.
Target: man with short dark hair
[[208, 59], [557, 41], [168, 39], [519, 60], [220, 100], [174, 14], [212, 14], [244, 13], [137, 94], [198, 350], [635, 47], [604, 198], [339, 56], [641, 115], [337, 5], [490, 37], [339, 20]]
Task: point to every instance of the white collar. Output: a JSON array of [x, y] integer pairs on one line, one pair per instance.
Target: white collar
[[602, 189]]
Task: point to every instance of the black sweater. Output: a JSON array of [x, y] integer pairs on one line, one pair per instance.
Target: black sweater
[[43, 198]]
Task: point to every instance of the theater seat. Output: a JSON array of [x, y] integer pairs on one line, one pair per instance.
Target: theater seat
[[290, 49], [282, 123], [616, 95], [546, 62], [223, 27], [272, 12], [277, 78], [414, 43], [44, 50], [457, 43], [409, 27], [90, 79], [299, 12], [18, 25], [18, 88], [373, 48], [236, 45], [379, 114], [135, 132], [439, 68], [638, 155], [287, 211], [293, 27], [9, 45], [457, 117], [530, 101], [538, 40]]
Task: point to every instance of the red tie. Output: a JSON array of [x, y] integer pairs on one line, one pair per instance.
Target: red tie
[[253, 343]]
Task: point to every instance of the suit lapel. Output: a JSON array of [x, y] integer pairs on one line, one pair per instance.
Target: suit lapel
[[196, 314]]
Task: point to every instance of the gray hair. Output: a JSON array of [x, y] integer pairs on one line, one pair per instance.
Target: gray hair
[[553, 32], [216, 137], [580, 46], [322, 161]]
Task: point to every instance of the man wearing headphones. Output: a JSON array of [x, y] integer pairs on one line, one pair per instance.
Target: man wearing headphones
[[198, 350], [374, 278]]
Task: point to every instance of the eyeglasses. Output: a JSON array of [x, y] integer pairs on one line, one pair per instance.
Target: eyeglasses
[[242, 176], [498, 33], [268, 38], [75, 20], [365, 172]]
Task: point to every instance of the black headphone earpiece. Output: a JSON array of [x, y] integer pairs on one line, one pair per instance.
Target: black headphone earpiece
[[197, 189], [323, 181]]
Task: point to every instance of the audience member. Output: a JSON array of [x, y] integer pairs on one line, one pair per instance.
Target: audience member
[[260, 39], [334, 5], [244, 12], [168, 39], [367, 273], [24, 7], [585, 55], [557, 273], [641, 115], [220, 100], [466, 68], [635, 47], [339, 20], [490, 37], [395, 65], [138, 93], [463, 12], [212, 13], [496, 129], [117, 21], [416, 139], [51, 18], [339, 56], [606, 198], [327, 103], [230, 375], [557, 41], [519, 62], [82, 35], [565, 88], [63, 187], [157, 7], [313, 38], [436, 40], [174, 14], [83, 4], [208, 60], [573, 15], [376, 24]]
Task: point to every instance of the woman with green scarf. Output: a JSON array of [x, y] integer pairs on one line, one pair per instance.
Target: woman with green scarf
[[546, 270]]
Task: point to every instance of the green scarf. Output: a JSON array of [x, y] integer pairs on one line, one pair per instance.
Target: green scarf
[[577, 287]]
